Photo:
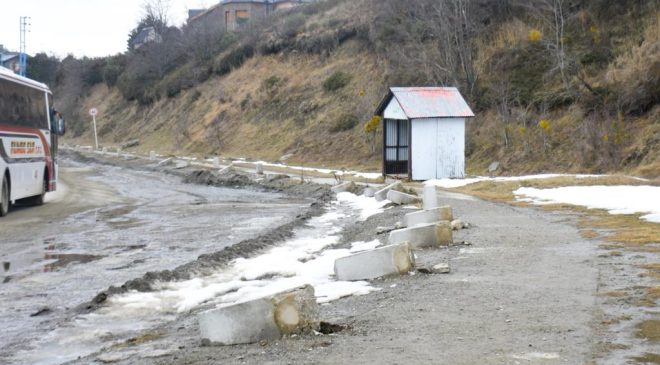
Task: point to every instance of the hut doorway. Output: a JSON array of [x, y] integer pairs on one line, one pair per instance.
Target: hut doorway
[[397, 142]]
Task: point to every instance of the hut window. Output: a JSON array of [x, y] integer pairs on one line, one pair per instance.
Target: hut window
[[396, 140]]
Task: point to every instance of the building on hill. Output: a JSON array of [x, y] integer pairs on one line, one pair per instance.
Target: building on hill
[[10, 60], [424, 132], [144, 36], [231, 15]]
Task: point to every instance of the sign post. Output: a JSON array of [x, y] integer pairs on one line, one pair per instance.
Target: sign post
[[93, 112]]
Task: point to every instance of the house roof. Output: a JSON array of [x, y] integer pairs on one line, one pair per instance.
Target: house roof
[[428, 102]]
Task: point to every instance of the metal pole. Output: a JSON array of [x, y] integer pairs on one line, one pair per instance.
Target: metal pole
[[96, 138]]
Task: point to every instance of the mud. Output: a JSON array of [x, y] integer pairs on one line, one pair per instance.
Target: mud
[[228, 178]]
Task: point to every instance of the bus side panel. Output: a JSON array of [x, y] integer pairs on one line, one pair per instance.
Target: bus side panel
[[26, 157]]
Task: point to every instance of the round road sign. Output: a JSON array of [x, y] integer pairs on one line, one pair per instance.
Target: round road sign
[[93, 112]]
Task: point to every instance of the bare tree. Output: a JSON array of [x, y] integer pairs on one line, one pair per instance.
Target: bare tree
[[158, 10]]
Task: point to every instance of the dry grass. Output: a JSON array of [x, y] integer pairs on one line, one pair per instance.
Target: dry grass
[[649, 330]]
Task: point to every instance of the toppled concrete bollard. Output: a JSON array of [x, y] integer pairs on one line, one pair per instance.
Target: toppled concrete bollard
[[166, 161], [343, 187], [381, 195], [429, 198], [429, 216], [289, 312], [457, 224], [383, 261], [181, 164], [369, 192], [400, 198], [259, 168], [424, 235]]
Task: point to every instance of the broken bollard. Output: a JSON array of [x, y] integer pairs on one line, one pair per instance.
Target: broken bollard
[[290, 312], [344, 187], [381, 194], [429, 216], [383, 261], [400, 198], [424, 235]]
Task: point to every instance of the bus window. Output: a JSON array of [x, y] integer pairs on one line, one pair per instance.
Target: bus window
[[22, 106]]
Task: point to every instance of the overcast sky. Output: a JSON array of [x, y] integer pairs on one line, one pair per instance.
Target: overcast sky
[[82, 27]]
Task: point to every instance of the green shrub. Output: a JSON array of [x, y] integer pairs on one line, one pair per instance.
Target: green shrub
[[345, 122], [336, 81]]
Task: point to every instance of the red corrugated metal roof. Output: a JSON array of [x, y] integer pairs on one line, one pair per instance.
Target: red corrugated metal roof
[[431, 102]]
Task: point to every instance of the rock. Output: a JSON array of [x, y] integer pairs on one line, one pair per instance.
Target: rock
[[400, 198], [381, 195], [429, 197], [493, 167], [130, 143], [457, 224], [381, 230], [442, 269], [369, 192], [181, 164], [424, 235], [166, 161], [344, 187], [436, 269], [265, 319], [389, 260], [41, 311], [429, 216]]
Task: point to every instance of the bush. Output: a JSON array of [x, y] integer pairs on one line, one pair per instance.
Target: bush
[[234, 59], [336, 81], [345, 122]]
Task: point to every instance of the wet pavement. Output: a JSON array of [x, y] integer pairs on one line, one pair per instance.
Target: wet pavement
[[107, 225]]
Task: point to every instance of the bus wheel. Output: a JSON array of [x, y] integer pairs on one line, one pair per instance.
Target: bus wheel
[[41, 198], [4, 198]]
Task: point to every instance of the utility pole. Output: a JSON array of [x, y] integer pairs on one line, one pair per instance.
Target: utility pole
[[22, 58]]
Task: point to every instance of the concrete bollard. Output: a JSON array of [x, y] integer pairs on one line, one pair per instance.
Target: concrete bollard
[[343, 187], [152, 155], [429, 216], [424, 235], [104, 150], [429, 197], [400, 198], [216, 163], [369, 192], [166, 161], [381, 195], [389, 260], [118, 151], [259, 168], [290, 312]]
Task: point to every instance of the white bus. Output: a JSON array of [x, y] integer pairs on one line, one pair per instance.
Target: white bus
[[28, 141]]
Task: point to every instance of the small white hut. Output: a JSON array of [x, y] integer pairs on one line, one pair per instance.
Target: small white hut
[[424, 132]]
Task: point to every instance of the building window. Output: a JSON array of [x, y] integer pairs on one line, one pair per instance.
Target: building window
[[242, 17]]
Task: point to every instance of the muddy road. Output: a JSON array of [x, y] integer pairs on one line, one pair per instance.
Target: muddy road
[[104, 226]]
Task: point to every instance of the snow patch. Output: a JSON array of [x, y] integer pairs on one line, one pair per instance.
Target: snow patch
[[456, 183], [367, 206], [621, 199]]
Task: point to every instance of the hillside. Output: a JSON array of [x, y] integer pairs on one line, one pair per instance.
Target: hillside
[[567, 93]]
